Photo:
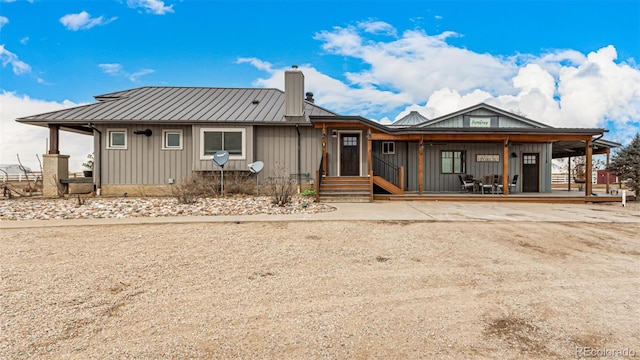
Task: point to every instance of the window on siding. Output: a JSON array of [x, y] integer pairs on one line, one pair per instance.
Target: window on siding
[[453, 162], [214, 140], [172, 139], [117, 138], [388, 147]]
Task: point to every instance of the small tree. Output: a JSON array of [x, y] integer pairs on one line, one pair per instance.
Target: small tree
[[626, 164]]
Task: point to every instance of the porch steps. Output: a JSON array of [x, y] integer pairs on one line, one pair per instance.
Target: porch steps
[[345, 189], [383, 183]]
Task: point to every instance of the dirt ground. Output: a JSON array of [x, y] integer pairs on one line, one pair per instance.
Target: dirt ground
[[320, 290]]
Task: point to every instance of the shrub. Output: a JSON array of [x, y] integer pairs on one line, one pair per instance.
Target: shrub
[[281, 185], [196, 186]]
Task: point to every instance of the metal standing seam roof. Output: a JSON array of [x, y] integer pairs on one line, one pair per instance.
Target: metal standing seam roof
[[411, 119], [180, 104]]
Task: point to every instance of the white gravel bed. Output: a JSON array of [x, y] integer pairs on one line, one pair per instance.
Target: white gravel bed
[[125, 207]]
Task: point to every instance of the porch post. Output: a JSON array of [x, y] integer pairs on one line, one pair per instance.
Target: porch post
[[420, 167], [607, 170], [324, 149], [54, 142], [569, 173], [369, 151], [505, 167], [588, 185]]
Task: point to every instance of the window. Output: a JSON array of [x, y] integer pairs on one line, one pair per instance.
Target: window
[[172, 139], [388, 147], [214, 140], [453, 162], [529, 159], [350, 140], [117, 138]]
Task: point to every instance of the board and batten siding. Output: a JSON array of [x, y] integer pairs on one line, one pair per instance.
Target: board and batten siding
[[279, 145], [333, 151], [399, 158], [144, 162], [233, 164], [496, 120], [435, 181]]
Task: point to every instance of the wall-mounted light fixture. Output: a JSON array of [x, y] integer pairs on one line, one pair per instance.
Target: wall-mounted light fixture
[[334, 133], [324, 136], [146, 132], [368, 135], [514, 155]]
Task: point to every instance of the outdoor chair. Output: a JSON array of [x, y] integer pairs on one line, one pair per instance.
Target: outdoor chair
[[497, 183], [487, 183], [513, 184], [466, 184]]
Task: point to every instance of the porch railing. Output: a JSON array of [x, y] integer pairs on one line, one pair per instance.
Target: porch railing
[[388, 171], [319, 175]]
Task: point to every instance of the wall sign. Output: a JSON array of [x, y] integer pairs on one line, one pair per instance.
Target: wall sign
[[481, 122], [487, 158]]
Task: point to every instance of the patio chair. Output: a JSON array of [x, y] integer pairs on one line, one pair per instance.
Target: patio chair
[[487, 183], [466, 184], [513, 184], [497, 184]]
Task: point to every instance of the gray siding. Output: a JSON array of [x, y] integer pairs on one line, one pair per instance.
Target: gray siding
[[496, 121], [279, 144], [400, 158], [435, 181], [143, 161], [333, 152]]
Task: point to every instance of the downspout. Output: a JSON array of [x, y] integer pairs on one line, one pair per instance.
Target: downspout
[[99, 158], [299, 159]]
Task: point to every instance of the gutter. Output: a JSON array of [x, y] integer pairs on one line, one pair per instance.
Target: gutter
[[299, 158], [98, 158]]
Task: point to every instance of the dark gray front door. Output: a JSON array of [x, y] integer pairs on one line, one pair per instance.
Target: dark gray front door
[[349, 154], [530, 172]]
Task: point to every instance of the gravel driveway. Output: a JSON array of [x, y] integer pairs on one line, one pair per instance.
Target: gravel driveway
[[323, 289]]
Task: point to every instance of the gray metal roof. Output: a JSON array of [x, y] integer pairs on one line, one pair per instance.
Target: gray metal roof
[[412, 119], [180, 104]]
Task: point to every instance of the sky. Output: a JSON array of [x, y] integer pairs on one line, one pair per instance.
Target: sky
[[572, 63]]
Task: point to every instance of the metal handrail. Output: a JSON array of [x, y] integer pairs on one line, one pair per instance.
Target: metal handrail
[[319, 179], [385, 170]]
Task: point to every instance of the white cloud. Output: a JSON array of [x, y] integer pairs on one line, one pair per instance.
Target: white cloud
[[118, 71], [83, 21], [155, 7], [16, 138], [24, 40], [3, 21], [136, 75], [111, 69], [378, 27], [9, 58], [418, 71]]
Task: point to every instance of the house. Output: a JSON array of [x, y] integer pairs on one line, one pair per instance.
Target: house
[[148, 138]]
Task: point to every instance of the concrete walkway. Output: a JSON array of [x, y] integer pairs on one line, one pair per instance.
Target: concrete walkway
[[398, 211]]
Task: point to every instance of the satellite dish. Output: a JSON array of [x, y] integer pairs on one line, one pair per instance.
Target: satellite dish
[[221, 157], [256, 167]]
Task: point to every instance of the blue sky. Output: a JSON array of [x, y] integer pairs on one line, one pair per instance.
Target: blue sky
[[564, 63]]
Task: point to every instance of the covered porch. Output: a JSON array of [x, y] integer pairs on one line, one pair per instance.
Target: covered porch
[[426, 163]]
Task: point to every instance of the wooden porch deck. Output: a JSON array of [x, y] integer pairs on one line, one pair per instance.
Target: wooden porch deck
[[556, 196]]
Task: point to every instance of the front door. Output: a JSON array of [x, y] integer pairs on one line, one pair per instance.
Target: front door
[[530, 172], [349, 154]]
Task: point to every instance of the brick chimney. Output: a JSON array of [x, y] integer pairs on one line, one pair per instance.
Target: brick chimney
[[293, 92]]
